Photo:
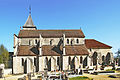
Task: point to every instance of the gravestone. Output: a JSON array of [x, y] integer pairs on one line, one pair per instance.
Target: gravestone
[[81, 72], [45, 75], [29, 76], [1, 70], [119, 62]]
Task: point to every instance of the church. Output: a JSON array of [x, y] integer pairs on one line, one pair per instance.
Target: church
[[56, 50]]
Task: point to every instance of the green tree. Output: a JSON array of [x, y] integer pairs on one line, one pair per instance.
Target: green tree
[[118, 53], [4, 55]]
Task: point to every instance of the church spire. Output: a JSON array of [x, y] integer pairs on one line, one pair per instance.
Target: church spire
[[29, 25]]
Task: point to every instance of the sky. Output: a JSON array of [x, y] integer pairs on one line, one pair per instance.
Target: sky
[[99, 19]]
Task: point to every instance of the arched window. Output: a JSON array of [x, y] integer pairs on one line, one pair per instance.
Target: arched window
[[81, 59], [67, 41], [77, 40], [108, 58], [69, 60], [103, 58], [35, 41], [46, 62], [95, 55], [35, 61], [58, 60], [22, 62], [90, 49]]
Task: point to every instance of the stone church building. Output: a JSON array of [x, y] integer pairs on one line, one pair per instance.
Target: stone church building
[[35, 50]]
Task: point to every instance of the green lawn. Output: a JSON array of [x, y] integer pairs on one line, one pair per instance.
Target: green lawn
[[80, 78], [110, 70]]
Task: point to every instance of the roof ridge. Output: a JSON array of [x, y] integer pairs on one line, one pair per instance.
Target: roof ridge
[[55, 30]]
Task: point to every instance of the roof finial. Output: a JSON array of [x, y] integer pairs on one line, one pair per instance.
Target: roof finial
[[30, 9], [80, 28], [20, 27]]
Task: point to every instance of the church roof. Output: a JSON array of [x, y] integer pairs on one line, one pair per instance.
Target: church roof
[[94, 44], [50, 33], [48, 50], [29, 23], [25, 51]]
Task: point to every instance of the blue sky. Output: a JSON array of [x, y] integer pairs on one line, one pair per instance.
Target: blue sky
[[99, 19]]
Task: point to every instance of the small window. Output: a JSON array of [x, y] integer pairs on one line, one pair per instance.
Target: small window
[[51, 41], [22, 62], [30, 42], [77, 40], [71, 42], [67, 41]]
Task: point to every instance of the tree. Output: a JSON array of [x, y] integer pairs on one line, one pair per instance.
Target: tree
[[4, 55], [118, 53]]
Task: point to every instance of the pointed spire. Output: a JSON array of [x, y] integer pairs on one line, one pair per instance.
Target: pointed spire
[[29, 23], [80, 28]]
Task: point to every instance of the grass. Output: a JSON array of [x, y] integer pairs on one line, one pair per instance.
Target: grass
[[80, 78], [110, 70]]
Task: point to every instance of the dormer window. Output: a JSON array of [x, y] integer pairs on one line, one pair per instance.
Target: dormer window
[[77, 40], [67, 41]]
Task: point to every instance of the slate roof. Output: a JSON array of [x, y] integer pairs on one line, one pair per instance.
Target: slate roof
[[50, 33], [29, 23], [53, 50], [25, 51], [94, 44], [76, 50]]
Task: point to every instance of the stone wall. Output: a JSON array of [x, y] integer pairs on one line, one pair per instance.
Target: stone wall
[[17, 64], [46, 41]]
